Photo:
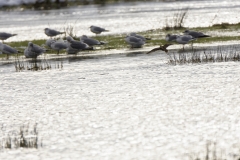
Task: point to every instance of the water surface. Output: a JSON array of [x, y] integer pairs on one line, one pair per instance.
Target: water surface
[[124, 106]]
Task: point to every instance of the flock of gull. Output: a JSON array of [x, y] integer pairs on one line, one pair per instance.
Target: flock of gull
[[86, 43], [188, 36]]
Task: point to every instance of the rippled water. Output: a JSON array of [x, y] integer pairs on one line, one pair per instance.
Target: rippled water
[[121, 18], [124, 106]]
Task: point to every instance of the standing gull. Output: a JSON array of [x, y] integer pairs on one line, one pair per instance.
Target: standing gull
[[49, 42], [33, 50], [51, 32], [58, 45], [195, 34], [90, 41], [97, 30], [76, 46], [139, 36], [134, 41], [171, 37], [6, 49], [184, 39], [4, 35]]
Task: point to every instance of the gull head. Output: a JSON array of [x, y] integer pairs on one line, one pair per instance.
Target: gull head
[[84, 36], [132, 34], [52, 42], [46, 29], [186, 31], [167, 38], [30, 44], [168, 35]]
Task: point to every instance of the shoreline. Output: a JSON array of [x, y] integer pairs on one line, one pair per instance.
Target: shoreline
[[175, 48], [117, 42]]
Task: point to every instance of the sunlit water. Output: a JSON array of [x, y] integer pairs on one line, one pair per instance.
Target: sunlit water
[[118, 18], [124, 106]]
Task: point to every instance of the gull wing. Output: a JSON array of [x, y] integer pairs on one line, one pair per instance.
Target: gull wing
[[163, 48]]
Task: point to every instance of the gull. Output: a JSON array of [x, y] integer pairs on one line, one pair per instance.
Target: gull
[[171, 37], [195, 34], [97, 30], [139, 36], [90, 41], [4, 35], [184, 39], [134, 41], [162, 47], [76, 46], [71, 51], [51, 32], [49, 42], [59, 45], [6, 49], [33, 50]]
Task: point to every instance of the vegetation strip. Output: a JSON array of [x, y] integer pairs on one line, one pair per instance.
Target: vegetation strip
[[157, 37]]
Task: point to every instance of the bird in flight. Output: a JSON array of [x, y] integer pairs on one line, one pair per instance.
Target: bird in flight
[[162, 47]]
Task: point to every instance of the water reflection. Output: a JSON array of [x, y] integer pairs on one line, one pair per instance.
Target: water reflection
[[197, 54], [133, 54]]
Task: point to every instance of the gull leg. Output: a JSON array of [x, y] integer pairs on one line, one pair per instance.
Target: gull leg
[[192, 45], [35, 67]]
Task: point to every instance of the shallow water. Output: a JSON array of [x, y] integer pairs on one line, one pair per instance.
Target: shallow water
[[124, 106], [119, 18]]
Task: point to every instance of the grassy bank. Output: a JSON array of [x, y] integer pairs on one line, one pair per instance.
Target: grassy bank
[[157, 37]]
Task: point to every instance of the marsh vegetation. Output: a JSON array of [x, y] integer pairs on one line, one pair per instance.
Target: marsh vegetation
[[39, 64], [26, 137], [177, 20], [203, 55]]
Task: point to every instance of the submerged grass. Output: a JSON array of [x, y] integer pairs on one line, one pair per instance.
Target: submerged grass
[[21, 64], [220, 54], [213, 152], [26, 137]]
